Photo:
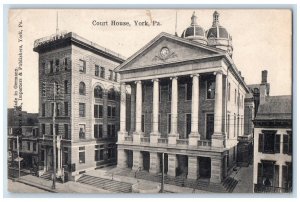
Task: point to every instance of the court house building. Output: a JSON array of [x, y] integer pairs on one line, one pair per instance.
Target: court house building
[[186, 103]]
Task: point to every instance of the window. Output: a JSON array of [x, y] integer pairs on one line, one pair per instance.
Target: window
[[99, 152], [268, 174], [51, 129], [66, 131], [287, 176], [97, 70], [81, 154], [188, 123], [34, 147], [81, 109], [43, 109], [44, 89], [98, 131], [169, 123], [57, 88], [109, 111], [51, 66], [287, 143], [269, 142], [234, 96], [52, 109], [111, 151], [111, 130], [66, 87], [28, 146], [98, 92], [188, 91], [102, 75], [66, 108], [209, 126], [143, 123], [43, 129], [113, 111], [111, 75], [210, 91], [98, 111], [65, 63], [81, 131], [82, 88], [65, 156], [111, 94], [82, 66], [228, 95], [57, 65]]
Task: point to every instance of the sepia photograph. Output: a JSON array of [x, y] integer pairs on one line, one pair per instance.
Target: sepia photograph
[[150, 101]]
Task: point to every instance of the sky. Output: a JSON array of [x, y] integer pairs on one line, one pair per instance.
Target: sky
[[262, 39]]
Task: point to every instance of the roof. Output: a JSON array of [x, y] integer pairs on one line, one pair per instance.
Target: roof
[[217, 32], [275, 108]]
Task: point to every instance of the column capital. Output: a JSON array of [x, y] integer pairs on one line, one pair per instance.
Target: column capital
[[122, 83], [153, 80], [174, 77], [194, 75], [138, 82], [218, 72]]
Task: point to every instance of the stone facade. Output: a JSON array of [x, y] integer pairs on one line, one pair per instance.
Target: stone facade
[[75, 69]]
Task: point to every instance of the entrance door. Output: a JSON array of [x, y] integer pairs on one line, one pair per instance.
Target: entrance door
[[146, 161], [204, 167], [129, 158], [50, 159]]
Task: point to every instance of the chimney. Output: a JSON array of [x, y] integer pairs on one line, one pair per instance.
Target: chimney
[[264, 76]]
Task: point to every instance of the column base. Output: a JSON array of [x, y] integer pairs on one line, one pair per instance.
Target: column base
[[218, 139], [193, 138], [153, 137], [137, 137], [172, 137], [121, 136]]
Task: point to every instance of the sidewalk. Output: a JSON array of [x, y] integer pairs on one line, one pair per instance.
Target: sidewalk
[[68, 187], [245, 178]]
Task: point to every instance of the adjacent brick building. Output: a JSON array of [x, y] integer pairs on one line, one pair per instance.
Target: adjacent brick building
[[187, 102], [76, 78]]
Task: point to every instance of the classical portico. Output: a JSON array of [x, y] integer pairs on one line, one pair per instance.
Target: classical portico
[[176, 108]]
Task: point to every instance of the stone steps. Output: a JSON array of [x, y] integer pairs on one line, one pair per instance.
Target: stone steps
[[110, 185]]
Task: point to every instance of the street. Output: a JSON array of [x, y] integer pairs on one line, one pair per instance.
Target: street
[[17, 187]]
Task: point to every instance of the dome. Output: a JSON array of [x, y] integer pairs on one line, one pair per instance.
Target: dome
[[218, 36], [194, 32]]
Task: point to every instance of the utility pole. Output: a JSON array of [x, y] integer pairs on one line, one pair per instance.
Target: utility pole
[[163, 173], [54, 138]]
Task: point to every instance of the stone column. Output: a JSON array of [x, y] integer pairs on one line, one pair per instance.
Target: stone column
[[193, 167], [194, 136], [155, 132], [137, 160], [216, 170], [174, 114], [132, 108], [218, 137], [122, 158], [172, 164], [138, 116], [45, 159], [280, 175], [154, 163], [122, 133]]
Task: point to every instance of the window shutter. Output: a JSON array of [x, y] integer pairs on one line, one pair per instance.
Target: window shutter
[[290, 144], [285, 144], [277, 143], [95, 131], [100, 111], [259, 173], [95, 111], [284, 176], [276, 177], [260, 142]]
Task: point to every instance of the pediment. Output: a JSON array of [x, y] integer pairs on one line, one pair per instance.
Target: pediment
[[165, 49]]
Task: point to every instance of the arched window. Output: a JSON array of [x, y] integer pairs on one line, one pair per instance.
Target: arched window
[[98, 92], [111, 94], [57, 88], [82, 88]]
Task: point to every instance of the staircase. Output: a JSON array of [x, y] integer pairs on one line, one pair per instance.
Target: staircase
[[227, 186], [110, 185]]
